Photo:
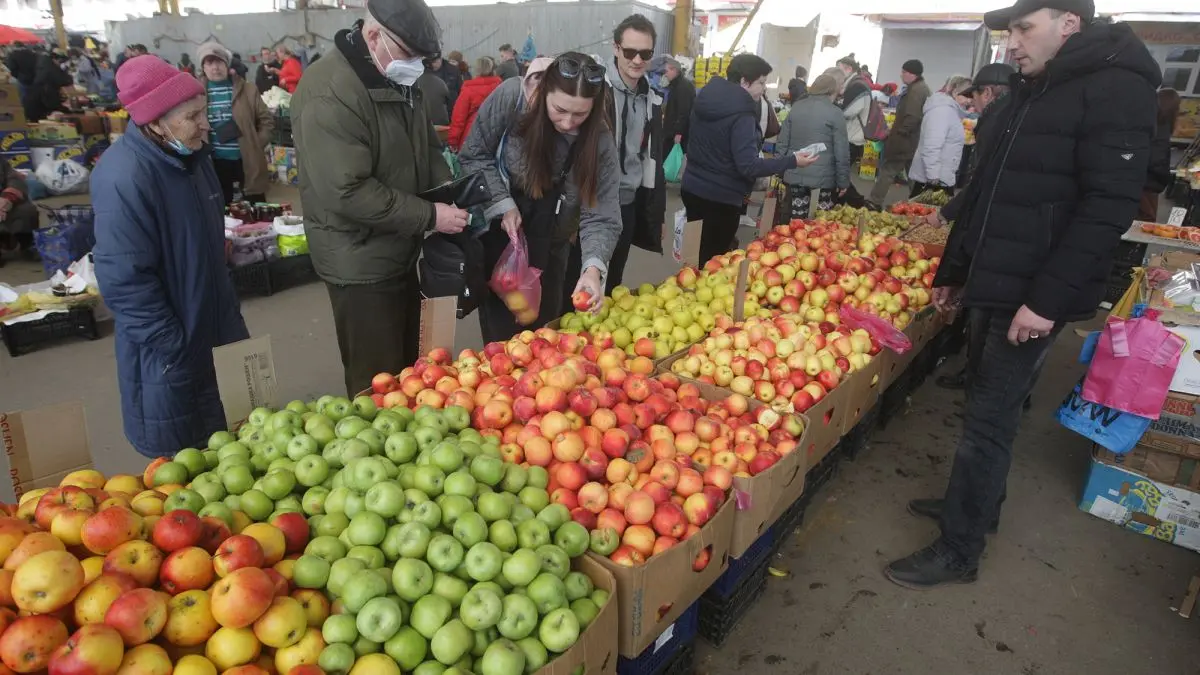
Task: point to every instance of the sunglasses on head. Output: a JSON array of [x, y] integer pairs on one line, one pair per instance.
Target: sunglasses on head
[[646, 54], [571, 68]]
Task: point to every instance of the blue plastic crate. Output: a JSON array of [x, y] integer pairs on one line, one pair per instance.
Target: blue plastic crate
[[658, 657], [741, 569]]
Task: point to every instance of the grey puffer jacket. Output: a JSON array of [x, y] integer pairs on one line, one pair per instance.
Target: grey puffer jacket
[[599, 224], [816, 119]]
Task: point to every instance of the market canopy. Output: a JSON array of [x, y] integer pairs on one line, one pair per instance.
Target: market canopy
[[11, 34]]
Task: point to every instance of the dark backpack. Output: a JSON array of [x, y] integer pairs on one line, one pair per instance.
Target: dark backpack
[[452, 266], [875, 128]]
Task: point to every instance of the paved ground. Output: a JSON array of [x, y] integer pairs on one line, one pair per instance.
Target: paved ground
[[1061, 591]]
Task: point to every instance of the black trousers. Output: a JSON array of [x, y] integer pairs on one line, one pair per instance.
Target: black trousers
[[549, 254], [720, 224], [229, 171], [378, 327], [616, 265], [1000, 378]]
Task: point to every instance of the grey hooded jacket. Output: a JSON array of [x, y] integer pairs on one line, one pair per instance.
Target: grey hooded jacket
[[815, 119]]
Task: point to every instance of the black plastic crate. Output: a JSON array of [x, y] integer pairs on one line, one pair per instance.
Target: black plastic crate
[[919, 368], [658, 657], [742, 570], [28, 336], [291, 272], [719, 616], [789, 522], [855, 442], [684, 663], [895, 397], [252, 279]]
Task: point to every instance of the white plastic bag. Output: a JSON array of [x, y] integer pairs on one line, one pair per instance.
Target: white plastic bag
[[289, 226], [63, 177]]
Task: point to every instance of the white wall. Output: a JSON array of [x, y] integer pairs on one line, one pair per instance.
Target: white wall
[[942, 52], [785, 48]]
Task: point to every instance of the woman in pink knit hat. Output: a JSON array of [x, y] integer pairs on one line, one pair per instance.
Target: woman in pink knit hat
[[160, 260]]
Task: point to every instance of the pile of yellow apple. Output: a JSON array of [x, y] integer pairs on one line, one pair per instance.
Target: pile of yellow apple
[[97, 579]]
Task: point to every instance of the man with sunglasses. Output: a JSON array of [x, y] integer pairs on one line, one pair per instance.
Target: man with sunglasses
[[366, 149]]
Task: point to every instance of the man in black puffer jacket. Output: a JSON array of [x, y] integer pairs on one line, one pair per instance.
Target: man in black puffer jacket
[[1034, 243]]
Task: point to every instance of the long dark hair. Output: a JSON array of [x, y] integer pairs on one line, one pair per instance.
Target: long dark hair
[[540, 137], [1168, 106]]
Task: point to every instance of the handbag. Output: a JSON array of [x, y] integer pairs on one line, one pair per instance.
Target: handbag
[[227, 132], [1132, 368], [466, 192], [452, 265]]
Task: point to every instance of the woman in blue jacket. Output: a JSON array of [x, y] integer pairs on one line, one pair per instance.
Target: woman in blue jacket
[[724, 144], [160, 260]]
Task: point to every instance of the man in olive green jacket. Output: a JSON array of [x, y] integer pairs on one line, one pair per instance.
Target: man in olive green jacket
[[901, 143], [365, 149]]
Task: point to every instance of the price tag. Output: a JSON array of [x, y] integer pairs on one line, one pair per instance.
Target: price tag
[[664, 638], [1177, 216]]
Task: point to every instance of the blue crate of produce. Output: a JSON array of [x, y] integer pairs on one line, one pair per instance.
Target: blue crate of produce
[[659, 657]]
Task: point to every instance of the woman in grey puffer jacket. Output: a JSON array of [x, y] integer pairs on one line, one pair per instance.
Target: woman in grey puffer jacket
[[816, 119]]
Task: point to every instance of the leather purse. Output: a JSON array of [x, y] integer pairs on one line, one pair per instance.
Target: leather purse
[[470, 190]]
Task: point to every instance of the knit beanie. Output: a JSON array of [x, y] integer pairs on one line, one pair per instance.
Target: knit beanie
[[212, 48], [913, 66], [149, 88]]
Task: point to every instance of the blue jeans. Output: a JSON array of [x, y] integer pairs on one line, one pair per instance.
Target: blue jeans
[[1000, 378]]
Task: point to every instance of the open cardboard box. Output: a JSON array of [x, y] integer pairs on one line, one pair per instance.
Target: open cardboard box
[[826, 421], [246, 378], [41, 446], [655, 594], [596, 649], [865, 386], [925, 324]]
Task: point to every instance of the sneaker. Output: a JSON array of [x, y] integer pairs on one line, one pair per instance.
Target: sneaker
[[932, 509], [932, 566]]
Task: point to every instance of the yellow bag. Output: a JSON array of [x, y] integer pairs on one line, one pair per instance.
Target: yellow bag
[[292, 245], [1124, 306]]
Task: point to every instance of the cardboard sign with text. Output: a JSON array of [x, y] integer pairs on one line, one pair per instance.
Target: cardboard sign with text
[[246, 377], [652, 596], [41, 446], [439, 317], [596, 649]]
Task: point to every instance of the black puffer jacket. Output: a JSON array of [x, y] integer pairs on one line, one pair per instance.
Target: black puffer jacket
[[1062, 183]]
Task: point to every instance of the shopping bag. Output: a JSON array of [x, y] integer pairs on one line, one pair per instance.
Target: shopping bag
[[1115, 430], [518, 285], [881, 331], [1133, 365], [452, 162], [673, 165]]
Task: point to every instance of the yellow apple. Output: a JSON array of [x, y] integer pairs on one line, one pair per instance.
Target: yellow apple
[[283, 624], [47, 582], [230, 647], [194, 665], [304, 652], [189, 619], [146, 659]]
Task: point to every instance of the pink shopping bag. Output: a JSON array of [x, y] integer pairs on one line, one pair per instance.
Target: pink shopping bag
[[1133, 366]]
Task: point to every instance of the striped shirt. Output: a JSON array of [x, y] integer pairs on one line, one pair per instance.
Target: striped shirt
[[220, 111]]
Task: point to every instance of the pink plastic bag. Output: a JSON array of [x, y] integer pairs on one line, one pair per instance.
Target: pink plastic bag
[[1133, 365], [881, 331], [518, 284]]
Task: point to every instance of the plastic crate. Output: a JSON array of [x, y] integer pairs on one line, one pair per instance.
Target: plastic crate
[[855, 442], [252, 279], [684, 663], [659, 656], [894, 398], [820, 475], [27, 336], [920, 368], [743, 569], [789, 522], [718, 617], [291, 272]]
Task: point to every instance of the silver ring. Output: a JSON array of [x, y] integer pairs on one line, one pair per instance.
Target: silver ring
[[1034, 334]]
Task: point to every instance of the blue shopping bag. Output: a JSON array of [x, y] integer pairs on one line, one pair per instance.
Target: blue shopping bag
[[1112, 429]]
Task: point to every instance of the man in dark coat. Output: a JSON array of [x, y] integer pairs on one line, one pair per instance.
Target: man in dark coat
[[506, 67], [267, 76], [677, 111], [798, 85], [901, 143], [45, 95], [449, 74], [1034, 243], [22, 64]]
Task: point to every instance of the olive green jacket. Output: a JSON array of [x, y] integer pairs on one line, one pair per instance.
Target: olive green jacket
[[365, 149]]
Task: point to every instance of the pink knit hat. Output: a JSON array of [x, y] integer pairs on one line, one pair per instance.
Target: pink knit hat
[[150, 87]]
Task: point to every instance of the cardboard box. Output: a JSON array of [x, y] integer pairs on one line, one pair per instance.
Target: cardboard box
[[1135, 502], [14, 140], [1178, 427], [22, 161], [1158, 465], [923, 327], [826, 420], [41, 446], [246, 378], [653, 595], [10, 94], [12, 118], [86, 123], [52, 131], [72, 151], [92, 140], [439, 318], [596, 649], [866, 386], [1187, 374]]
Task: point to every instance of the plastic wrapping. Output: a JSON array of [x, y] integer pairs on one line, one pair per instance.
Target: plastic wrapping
[[518, 285], [881, 331]]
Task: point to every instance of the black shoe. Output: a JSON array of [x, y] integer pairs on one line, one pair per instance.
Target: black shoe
[[955, 381], [930, 567], [932, 509]]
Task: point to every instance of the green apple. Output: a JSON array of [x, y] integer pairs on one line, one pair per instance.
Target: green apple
[[234, 502], [367, 529], [278, 484], [388, 423], [470, 529], [522, 567], [470, 449], [348, 427], [554, 560], [400, 447], [429, 614], [365, 472], [339, 629], [301, 446], [533, 533], [313, 501], [407, 647], [538, 477], [459, 483], [188, 500], [218, 510], [220, 439], [380, 619], [329, 548], [585, 611], [600, 597], [237, 479], [480, 609], [483, 561], [363, 646], [364, 407], [297, 406], [322, 433], [352, 448], [470, 435], [337, 658], [311, 470], [193, 460], [257, 505], [282, 464], [360, 588], [211, 459], [309, 571], [572, 538], [171, 473], [234, 449], [259, 462], [447, 456], [502, 657], [332, 525], [445, 553], [258, 417], [453, 507], [534, 497], [335, 502], [604, 541], [212, 491], [547, 592], [343, 570], [536, 655], [559, 630], [515, 478], [374, 439], [488, 470], [456, 417], [412, 579], [450, 587], [428, 514], [519, 617], [453, 641], [493, 506], [555, 515], [503, 534], [578, 585], [521, 513], [429, 479], [410, 540], [372, 556]]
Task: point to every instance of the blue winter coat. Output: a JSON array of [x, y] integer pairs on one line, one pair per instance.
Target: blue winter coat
[[160, 263], [723, 145]]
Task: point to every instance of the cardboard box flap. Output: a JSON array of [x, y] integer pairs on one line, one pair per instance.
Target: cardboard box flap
[[43, 445], [439, 317], [246, 377]]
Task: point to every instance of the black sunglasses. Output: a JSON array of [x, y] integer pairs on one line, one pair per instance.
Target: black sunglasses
[[646, 54], [571, 68]]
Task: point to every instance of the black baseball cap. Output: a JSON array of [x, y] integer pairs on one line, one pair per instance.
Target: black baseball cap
[[999, 19], [410, 20], [992, 73]]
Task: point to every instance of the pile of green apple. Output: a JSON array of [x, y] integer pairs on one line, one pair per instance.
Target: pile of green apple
[[434, 550]]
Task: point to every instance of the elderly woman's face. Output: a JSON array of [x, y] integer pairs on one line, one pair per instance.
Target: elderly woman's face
[[215, 69], [187, 123]]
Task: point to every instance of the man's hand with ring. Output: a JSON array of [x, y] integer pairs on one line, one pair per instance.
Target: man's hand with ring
[[1027, 325]]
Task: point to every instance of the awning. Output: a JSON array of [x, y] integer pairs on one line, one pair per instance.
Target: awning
[[11, 34]]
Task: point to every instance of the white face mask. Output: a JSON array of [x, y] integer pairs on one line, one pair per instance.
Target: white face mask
[[403, 72]]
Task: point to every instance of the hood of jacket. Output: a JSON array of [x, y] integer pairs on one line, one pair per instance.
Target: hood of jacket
[[1103, 46], [941, 99], [721, 99]]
